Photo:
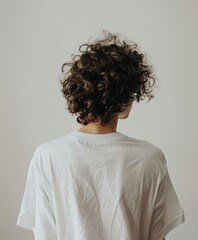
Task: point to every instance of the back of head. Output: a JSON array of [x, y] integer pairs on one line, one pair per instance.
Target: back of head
[[107, 74]]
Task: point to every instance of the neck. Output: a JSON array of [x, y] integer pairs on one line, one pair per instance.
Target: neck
[[97, 128]]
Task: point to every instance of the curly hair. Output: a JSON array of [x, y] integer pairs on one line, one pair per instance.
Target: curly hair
[[105, 78]]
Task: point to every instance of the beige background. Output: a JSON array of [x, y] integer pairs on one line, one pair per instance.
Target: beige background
[[38, 36]]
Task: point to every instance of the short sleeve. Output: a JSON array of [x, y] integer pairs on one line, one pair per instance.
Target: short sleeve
[[167, 212], [36, 213]]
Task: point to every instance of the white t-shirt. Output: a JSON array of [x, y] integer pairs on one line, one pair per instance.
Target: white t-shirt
[[110, 186]]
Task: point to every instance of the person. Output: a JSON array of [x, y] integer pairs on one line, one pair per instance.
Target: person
[[96, 182]]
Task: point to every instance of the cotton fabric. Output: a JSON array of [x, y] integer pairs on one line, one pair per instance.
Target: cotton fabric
[[110, 186]]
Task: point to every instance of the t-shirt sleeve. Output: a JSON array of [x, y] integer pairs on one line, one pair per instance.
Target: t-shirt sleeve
[[36, 212], [167, 213]]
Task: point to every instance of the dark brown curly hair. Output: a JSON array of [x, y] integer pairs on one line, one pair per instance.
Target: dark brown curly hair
[[105, 78]]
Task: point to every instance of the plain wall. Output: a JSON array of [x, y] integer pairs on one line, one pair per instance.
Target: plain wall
[[38, 36]]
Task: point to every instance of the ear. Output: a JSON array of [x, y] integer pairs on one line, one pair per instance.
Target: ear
[[124, 114]]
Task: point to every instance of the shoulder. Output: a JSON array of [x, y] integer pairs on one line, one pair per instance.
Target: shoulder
[[151, 157], [51, 146], [47, 152], [144, 147]]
